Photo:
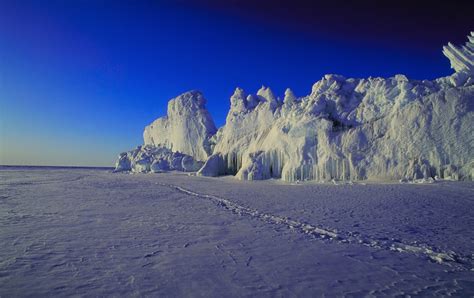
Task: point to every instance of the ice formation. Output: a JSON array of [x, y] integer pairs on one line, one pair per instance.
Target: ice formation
[[186, 128], [462, 60], [178, 141], [346, 129]]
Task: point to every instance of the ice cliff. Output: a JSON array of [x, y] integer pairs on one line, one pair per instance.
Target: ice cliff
[[345, 129]]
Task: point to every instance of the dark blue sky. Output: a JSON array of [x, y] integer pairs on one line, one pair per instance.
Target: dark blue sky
[[79, 80]]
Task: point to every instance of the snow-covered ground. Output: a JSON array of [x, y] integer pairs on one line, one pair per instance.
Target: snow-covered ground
[[92, 232]]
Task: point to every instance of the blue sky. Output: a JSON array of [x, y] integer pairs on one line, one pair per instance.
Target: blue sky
[[79, 80]]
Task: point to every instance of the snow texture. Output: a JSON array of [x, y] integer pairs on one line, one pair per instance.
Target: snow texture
[[346, 129], [86, 232]]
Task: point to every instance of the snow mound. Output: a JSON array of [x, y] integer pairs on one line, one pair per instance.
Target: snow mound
[[148, 158], [346, 129]]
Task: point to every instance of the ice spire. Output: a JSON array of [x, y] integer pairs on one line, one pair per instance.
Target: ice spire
[[266, 94], [289, 97], [238, 100], [461, 58]]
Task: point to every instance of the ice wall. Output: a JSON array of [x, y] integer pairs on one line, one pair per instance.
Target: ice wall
[[352, 129]]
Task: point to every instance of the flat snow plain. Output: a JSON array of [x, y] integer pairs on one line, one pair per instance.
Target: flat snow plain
[[90, 232]]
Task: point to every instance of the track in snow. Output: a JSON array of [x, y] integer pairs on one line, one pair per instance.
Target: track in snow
[[450, 258]]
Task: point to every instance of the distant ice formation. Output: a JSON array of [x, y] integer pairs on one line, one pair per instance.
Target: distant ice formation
[[346, 129]]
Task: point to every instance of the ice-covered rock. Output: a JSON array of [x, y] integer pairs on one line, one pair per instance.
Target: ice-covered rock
[[186, 128]]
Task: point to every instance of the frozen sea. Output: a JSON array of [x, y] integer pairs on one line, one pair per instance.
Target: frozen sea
[[91, 232]]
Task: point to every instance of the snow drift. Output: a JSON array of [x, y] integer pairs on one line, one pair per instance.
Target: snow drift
[[346, 129]]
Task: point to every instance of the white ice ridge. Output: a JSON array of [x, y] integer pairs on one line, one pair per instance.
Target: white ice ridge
[[345, 129], [450, 258]]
